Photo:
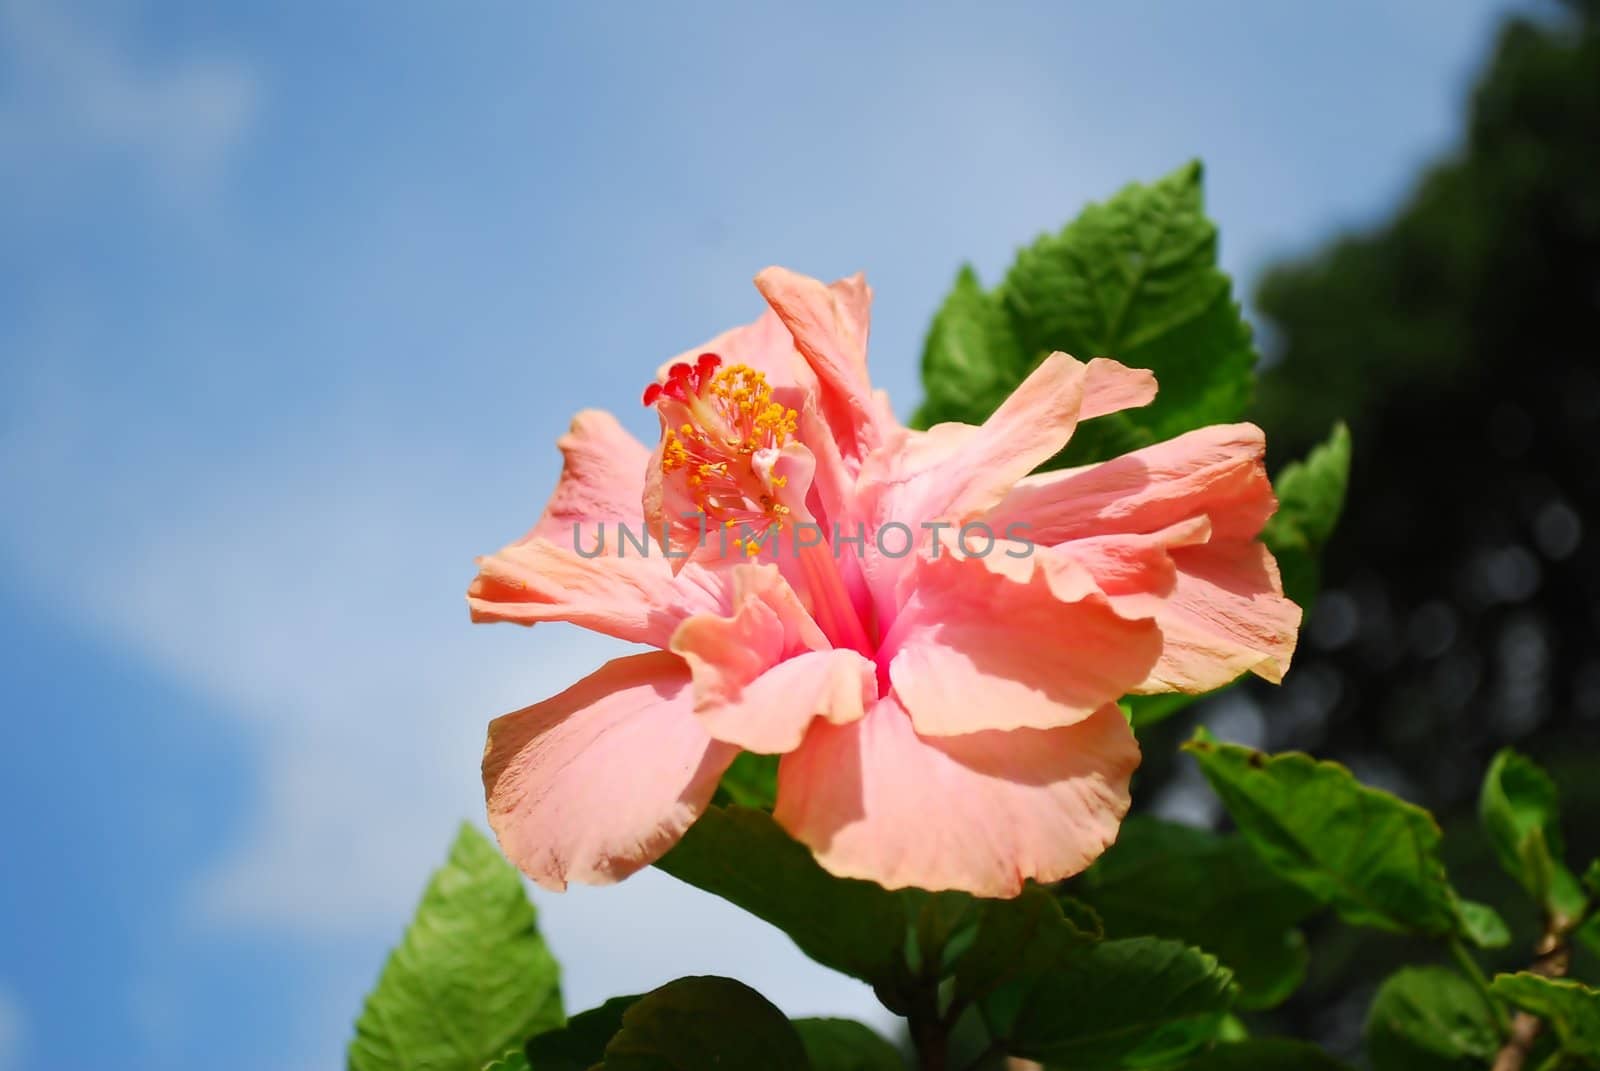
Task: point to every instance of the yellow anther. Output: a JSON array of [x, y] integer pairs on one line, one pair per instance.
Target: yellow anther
[[723, 425]]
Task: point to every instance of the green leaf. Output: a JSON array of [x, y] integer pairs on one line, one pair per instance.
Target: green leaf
[[888, 939], [1310, 499], [1146, 710], [745, 857], [1588, 935], [1591, 880], [514, 1060], [471, 979], [1263, 1054], [1021, 938], [1520, 811], [1207, 890], [1430, 1019], [704, 1022], [1482, 925], [846, 1045], [581, 1044], [1571, 1008], [1311, 492], [1371, 856], [752, 781], [1136, 279], [972, 359], [1136, 1003]]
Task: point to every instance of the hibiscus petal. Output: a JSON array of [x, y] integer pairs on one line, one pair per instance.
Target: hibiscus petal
[[764, 344], [975, 650], [980, 813], [764, 672], [1221, 610], [958, 471], [1135, 563], [602, 779], [829, 325], [1225, 615], [620, 592], [1110, 387], [771, 714], [1216, 472], [602, 477]]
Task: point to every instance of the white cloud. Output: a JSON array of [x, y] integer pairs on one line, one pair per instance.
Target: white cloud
[[13, 1031], [79, 93], [324, 607]]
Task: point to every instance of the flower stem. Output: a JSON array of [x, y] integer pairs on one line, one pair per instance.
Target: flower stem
[[928, 1034]]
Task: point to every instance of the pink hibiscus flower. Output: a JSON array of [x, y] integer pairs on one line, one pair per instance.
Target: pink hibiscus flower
[[933, 639]]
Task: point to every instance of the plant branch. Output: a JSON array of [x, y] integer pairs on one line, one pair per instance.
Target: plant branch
[[1552, 958], [931, 1038]]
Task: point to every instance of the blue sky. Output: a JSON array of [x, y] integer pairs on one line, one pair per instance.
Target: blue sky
[[295, 300]]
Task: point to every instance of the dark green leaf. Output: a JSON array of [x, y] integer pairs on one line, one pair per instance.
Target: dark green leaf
[[1135, 1003], [745, 857], [1146, 710], [752, 781], [1571, 1008], [846, 1045], [471, 979], [1430, 1019], [1020, 938], [941, 927], [1482, 925], [1136, 279], [1310, 499], [1588, 935], [972, 358], [704, 1022], [1520, 811], [1212, 891], [1371, 856], [581, 1044], [1591, 880], [1263, 1054]]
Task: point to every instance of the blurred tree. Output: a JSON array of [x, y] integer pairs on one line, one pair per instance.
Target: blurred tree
[[1462, 603]]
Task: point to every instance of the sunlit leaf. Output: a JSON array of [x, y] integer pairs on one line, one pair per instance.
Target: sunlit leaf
[[1571, 1008], [1520, 811], [1371, 856], [471, 979], [1310, 498]]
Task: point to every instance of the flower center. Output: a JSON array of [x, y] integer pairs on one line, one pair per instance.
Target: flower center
[[723, 432], [722, 438]]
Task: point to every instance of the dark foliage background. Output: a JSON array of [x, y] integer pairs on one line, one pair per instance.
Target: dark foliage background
[[1461, 606]]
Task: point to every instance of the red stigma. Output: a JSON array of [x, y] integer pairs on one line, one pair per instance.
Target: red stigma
[[682, 378]]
